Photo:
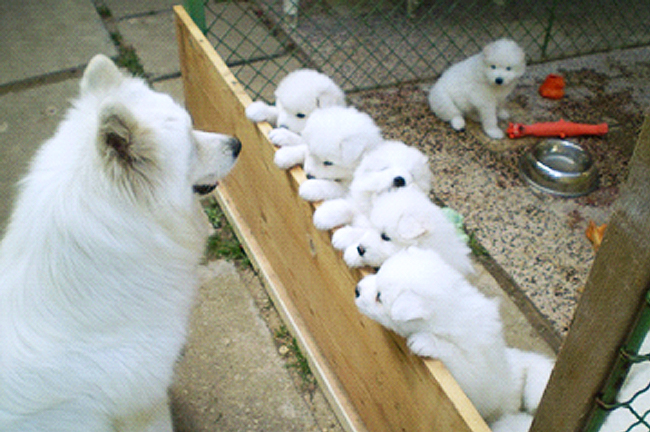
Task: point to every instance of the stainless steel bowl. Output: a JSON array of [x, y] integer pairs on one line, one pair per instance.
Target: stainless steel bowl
[[559, 167]]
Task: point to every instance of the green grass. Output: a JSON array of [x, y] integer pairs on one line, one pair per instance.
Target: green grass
[[223, 243], [296, 361], [127, 57]]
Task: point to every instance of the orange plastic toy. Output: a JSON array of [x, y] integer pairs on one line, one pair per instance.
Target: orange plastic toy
[[560, 129], [552, 87]]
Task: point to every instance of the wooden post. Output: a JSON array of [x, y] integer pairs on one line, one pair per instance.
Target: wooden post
[[372, 380], [614, 293]]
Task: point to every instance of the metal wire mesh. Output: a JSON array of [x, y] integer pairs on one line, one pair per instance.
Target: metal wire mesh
[[364, 44]]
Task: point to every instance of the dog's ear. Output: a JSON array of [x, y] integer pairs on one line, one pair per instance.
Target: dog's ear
[[353, 147], [408, 307], [409, 227], [100, 75], [330, 97], [121, 139]]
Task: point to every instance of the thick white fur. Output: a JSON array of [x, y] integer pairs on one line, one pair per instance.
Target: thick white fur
[[390, 166], [401, 218], [337, 138], [419, 296], [478, 86], [637, 380], [97, 267], [296, 97]]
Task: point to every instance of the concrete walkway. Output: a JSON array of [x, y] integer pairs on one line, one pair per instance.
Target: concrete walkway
[[233, 375]]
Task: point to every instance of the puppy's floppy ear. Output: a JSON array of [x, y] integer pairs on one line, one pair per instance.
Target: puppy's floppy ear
[[409, 227], [408, 306], [100, 75], [352, 147], [120, 137], [330, 96]]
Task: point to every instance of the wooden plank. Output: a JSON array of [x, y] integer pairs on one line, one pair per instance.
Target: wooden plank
[[372, 379], [615, 290]]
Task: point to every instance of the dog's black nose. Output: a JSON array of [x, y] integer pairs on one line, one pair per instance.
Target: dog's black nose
[[310, 177], [361, 250], [399, 181], [203, 189], [499, 81], [235, 146], [357, 293]]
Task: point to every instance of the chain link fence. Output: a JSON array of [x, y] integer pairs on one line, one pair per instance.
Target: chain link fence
[[364, 44]]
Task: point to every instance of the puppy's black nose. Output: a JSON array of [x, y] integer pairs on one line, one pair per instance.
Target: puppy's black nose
[[361, 250], [357, 293], [499, 81], [235, 146], [399, 181], [310, 177]]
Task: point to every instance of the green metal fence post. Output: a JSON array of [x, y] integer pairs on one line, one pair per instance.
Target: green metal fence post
[[196, 10]]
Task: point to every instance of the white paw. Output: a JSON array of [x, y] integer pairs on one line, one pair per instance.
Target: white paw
[[422, 346], [346, 236], [284, 137], [318, 190], [495, 133], [259, 111], [288, 157], [458, 123], [332, 213]]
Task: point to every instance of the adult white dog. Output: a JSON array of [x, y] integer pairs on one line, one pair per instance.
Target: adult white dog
[[399, 219], [478, 86], [337, 138], [419, 296], [98, 265], [296, 97], [390, 166]]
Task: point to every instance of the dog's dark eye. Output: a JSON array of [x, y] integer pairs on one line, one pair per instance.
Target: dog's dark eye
[[328, 163], [378, 298], [493, 67], [300, 115], [384, 237], [508, 68]]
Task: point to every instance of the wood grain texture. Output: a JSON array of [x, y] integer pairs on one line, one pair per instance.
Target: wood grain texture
[[373, 381]]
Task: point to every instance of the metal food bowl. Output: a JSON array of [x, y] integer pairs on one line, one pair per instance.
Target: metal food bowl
[[559, 167]]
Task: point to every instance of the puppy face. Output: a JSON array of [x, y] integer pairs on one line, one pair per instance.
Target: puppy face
[[336, 138], [504, 62], [392, 165], [300, 93], [400, 218]]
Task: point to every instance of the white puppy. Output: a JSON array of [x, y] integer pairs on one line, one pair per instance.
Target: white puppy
[[296, 97], [419, 296], [337, 138], [399, 219], [636, 392], [391, 165], [478, 86], [98, 264]]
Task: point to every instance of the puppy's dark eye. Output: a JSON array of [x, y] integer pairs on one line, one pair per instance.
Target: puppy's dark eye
[[493, 67], [378, 298], [301, 115], [508, 68], [328, 163], [384, 237]]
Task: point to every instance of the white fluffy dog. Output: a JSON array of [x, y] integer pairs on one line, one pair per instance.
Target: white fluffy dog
[[296, 97], [391, 165], [478, 86], [98, 264], [337, 138], [399, 219], [420, 297], [635, 391]]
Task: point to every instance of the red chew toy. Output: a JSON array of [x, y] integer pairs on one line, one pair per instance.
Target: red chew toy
[[553, 87], [559, 128]]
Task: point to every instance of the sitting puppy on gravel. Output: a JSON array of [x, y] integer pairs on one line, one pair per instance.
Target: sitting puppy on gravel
[[390, 166], [478, 87], [420, 297], [337, 138], [399, 219], [296, 97]]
